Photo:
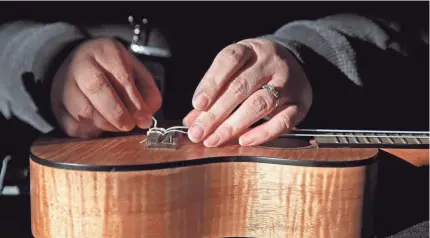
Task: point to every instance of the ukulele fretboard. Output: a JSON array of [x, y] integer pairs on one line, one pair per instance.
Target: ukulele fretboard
[[365, 138]]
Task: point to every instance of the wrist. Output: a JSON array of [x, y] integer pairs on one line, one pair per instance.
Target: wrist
[[292, 54]]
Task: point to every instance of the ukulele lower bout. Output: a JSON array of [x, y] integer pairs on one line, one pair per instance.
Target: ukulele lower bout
[[117, 187], [211, 200]]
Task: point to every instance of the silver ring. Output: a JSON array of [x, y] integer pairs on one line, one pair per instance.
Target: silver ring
[[272, 90]]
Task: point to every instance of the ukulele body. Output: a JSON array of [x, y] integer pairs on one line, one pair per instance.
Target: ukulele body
[[115, 187]]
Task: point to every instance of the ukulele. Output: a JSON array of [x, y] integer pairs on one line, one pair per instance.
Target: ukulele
[[308, 183]]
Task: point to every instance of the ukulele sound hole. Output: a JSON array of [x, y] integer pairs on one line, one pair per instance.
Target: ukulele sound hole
[[289, 143]]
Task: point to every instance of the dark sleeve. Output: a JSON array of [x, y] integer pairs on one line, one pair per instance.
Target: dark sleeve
[[359, 66], [30, 54]]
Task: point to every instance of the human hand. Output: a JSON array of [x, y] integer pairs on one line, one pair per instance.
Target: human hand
[[103, 87], [235, 79]]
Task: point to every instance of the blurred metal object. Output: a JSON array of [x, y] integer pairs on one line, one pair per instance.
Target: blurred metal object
[[14, 191], [152, 51], [142, 47], [148, 46], [3, 172], [14, 181]]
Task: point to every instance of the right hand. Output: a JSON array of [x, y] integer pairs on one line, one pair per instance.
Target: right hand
[[235, 80], [103, 87]]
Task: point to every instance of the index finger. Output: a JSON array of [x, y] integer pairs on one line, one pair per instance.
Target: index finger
[[95, 85], [225, 65], [145, 83]]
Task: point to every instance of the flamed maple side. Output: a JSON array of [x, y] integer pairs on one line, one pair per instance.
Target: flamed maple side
[[114, 187]]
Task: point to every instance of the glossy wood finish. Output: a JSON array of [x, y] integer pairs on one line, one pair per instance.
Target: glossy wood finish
[[259, 192], [127, 150], [416, 157], [213, 200]]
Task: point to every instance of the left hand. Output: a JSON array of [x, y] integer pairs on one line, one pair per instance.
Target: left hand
[[235, 78], [103, 87]]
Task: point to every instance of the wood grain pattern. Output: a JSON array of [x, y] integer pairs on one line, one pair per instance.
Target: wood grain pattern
[[127, 151], [274, 197], [416, 157], [216, 200]]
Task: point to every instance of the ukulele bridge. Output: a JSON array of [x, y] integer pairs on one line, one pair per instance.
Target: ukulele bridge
[[158, 141]]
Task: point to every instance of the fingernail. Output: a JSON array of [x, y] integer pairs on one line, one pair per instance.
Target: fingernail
[[184, 121], [128, 127], [142, 121], [128, 123], [147, 122], [246, 141], [200, 101], [212, 141], [196, 132]]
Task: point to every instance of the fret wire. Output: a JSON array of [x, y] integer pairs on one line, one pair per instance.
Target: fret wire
[[417, 141], [403, 140], [377, 139], [345, 139], [366, 139], [390, 140], [362, 131], [336, 139], [340, 135], [355, 139], [358, 136]]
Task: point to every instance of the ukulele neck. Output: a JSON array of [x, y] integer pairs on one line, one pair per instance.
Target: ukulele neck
[[365, 138]]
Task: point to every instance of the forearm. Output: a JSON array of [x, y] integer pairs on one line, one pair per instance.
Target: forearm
[[350, 60], [28, 52], [330, 38]]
